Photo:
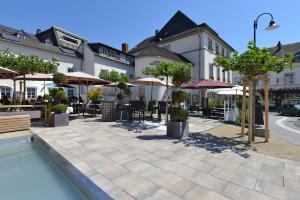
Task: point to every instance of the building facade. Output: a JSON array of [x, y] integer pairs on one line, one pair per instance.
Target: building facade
[[188, 42], [73, 52]]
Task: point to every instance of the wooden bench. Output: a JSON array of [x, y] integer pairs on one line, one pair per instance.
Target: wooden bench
[[14, 123]]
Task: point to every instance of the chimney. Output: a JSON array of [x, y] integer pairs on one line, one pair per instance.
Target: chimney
[[156, 32], [125, 47]]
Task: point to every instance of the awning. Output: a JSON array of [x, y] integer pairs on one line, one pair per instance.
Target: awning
[[206, 84], [7, 73]]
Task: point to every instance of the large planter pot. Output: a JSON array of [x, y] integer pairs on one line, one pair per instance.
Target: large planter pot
[[60, 120], [178, 130]]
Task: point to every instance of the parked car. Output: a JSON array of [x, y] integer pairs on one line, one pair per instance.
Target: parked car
[[290, 109]]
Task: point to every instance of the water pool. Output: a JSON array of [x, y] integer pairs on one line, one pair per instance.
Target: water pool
[[27, 174]]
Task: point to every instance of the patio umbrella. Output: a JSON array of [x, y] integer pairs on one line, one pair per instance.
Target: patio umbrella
[[150, 81], [85, 79], [115, 84], [206, 84], [7, 73]]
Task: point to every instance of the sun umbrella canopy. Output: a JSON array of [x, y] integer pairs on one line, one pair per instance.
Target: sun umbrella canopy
[[7, 73], [115, 84], [206, 84], [150, 81], [36, 77], [84, 78]]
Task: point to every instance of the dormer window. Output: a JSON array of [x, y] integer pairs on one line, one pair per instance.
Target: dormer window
[[69, 39], [20, 35], [103, 51], [111, 54]]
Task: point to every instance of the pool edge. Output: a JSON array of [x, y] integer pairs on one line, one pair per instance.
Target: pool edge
[[82, 182]]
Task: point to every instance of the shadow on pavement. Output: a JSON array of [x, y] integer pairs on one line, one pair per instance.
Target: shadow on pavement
[[215, 144]]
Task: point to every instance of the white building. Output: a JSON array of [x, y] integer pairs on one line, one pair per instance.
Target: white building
[[185, 41], [73, 52]]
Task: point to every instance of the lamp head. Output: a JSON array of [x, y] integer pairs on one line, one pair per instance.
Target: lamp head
[[272, 26]]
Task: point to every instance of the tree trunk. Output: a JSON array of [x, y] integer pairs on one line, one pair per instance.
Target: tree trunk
[[167, 101]]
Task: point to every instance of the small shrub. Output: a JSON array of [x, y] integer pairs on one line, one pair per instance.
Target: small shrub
[[179, 96], [120, 96], [46, 97], [122, 85], [60, 95], [59, 108], [59, 79], [95, 95], [179, 114]]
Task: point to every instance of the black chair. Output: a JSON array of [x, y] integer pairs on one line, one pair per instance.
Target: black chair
[[136, 108], [162, 108]]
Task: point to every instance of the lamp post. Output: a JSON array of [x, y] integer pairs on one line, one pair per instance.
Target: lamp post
[[272, 26]]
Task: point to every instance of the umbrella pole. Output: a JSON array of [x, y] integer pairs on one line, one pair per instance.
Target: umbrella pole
[[151, 90], [44, 88]]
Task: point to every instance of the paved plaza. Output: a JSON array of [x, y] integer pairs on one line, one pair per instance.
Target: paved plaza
[[145, 164]]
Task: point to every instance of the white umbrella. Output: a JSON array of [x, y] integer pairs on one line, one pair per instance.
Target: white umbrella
[[150, 81], [231, 92]]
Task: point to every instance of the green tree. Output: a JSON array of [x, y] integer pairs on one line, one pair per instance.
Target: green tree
[[26, 64], [254, 61], [59, 79], [167, 70]]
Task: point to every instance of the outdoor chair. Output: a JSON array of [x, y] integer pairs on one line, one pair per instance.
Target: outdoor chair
[[136, 108], [162, 108]]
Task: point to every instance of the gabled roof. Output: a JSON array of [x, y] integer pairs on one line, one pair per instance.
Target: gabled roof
[[177, 24], [154, 50], [293, 48]]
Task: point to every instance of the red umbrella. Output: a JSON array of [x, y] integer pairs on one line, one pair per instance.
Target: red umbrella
[[206, 84]]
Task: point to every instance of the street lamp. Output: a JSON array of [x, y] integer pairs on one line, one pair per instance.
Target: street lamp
[[272, 26]]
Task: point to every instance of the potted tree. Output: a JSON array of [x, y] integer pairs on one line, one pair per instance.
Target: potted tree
[[178, 126], [59, 116]]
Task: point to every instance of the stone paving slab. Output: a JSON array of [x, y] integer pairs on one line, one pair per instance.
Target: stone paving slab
[[149, 165]]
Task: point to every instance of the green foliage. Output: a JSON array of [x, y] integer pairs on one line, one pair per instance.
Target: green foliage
[[113, 76], [60, 95], [120, 96], [122, 85], [95, 95], [213, 103], [255, 61], [179, 114], [27, 64], [181, 73], [164, 70], [127, 92], [179, 96], [46, 97], [59, 108], [206, 112], [59, 79]]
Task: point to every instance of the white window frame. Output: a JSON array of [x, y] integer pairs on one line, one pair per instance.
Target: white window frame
[[290, 81], [31, 96], [5, 89]]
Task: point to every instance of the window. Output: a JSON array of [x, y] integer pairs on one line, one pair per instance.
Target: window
[[5, 92], [297, 57], [20, 35], [69, 39], [209, 44], [70, 70], [48, 42], [217, 49], [227, 54], [289, 78], [130, 76], [223, 75], [111, 54], [31, 92], [222, 51], [211, 71], [71, 93], [103, 51]]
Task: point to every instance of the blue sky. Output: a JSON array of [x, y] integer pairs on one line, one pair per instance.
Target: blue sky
[[115, 21]]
